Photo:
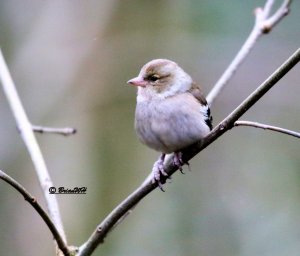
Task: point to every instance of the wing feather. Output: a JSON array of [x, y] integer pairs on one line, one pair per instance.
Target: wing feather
[[197, 93]]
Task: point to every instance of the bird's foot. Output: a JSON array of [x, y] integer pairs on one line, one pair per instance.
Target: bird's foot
[[178, 162], [158, 172]]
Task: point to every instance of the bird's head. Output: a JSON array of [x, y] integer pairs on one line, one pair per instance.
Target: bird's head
[[161, 78]]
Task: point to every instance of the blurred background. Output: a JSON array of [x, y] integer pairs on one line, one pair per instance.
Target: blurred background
[[70, 61]]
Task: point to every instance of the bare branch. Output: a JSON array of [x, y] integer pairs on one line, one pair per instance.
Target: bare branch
[[268, 7], [30, 141], [267, 127], [34, 203], [262, 25], [61, 131], [108, 223], [278, 15]]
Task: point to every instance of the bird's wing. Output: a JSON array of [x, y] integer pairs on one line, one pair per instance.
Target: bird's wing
[[197, 93]]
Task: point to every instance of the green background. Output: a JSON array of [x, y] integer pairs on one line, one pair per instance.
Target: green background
[[70, 61]]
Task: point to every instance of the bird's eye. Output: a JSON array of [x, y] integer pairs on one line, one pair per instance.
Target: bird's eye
[[153, 78]]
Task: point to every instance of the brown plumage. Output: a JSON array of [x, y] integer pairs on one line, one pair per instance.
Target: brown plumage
[[171, 112]]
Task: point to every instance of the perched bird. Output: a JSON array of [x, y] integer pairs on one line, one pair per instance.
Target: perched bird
[[171, 112]]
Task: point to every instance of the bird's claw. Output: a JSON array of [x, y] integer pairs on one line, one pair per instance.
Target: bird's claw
[[177, 161], [159, 172], [159, 175]]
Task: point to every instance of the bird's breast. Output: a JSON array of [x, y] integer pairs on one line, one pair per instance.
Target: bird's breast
[[171, 124]]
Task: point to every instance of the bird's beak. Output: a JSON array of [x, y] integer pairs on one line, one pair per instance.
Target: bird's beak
[[137, 81]]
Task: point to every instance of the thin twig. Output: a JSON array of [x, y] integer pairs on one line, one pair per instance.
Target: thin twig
[[267, 127], [108, 223], [268, 7], [263, 24], [61, 131], [282, 11], [30, 141], [34, 203]]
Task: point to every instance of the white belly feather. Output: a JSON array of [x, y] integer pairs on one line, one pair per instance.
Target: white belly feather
[[168, 126]]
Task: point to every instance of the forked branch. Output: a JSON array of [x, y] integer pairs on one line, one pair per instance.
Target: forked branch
[[26, 132], [109, 222], [35, 204], [263, 24]]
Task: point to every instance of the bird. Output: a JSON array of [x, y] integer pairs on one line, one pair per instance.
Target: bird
[[171, 112]]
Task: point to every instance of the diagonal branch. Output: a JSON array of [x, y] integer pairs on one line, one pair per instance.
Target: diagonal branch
[[109, 222], [267, 127], [30, 141], [263, 24], [34, 203]]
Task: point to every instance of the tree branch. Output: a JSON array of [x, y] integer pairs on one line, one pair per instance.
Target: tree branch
[[267, 127], [34, 203], [108, 223], [30, 141], [262, 25], [282, 11], [61, 131]]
